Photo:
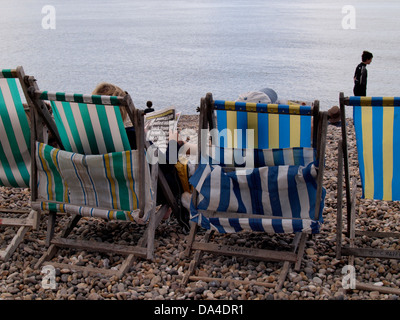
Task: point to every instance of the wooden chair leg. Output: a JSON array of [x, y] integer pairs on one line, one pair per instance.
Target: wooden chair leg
[[126, 265], [339, 210], [51, 222], [352, 219], [300, 252], [299, 246], [71, 225], [17, 239], [282, 275], [52, 249], [145, 245], [190, 238], [155, 220], [51, 225], [36, 222], [196, 258], [147, 240]]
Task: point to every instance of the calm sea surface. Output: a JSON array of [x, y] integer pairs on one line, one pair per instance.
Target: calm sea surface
[[174, 52]]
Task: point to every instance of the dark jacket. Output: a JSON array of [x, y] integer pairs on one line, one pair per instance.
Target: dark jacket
[[360, 80]]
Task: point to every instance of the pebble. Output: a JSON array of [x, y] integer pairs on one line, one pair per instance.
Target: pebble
[[319, 278]]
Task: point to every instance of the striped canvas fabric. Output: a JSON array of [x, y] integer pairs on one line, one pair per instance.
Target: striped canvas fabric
[[8, 73], [377, 127], [272, 176], [89, 212], [15, 160], [256, 158], [283, 196], [88, 124], [273, 125], [104, 182]]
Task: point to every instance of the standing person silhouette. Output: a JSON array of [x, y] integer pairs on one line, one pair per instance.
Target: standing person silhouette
[[360, 75]]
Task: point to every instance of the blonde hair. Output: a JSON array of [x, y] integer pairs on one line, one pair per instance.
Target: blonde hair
[[109, 89]]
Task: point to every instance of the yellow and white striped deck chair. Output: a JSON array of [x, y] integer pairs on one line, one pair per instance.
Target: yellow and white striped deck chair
[[377, 130], [96, 174], [15, 158]]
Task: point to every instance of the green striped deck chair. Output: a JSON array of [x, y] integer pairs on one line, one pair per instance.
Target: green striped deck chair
[[251, 189], [15, 147], [95, 174], [88, 124], [377, 130]]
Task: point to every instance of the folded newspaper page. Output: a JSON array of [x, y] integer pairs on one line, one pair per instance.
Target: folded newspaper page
[[161, 126]]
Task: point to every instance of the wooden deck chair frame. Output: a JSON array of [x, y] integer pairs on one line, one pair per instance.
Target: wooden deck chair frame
[[351, 185], [207, 121], [12, 100], [145, 246]]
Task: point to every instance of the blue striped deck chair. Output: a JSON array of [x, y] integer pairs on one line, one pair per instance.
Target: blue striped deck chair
[[95, 174], [276, 188], [15, 158], [377, 130], [272, 124]]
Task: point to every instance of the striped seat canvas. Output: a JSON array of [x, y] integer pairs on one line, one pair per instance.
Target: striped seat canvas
[[280, 199], [256, 158], [377, 127], [15, 159], [84, 129], [86, 184], [274, 124]]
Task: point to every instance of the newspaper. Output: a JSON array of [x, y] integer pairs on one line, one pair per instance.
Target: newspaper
[[161, 126]]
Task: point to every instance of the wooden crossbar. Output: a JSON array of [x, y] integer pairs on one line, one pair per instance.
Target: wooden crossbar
[[253, 253], [17, 222], [24, 225], [371, 253], [235, 281], [99, 246]]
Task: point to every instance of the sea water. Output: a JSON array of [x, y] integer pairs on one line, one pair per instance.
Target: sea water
[[174, 52]]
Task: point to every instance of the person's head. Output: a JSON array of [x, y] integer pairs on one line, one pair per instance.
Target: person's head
[[366, 57], [109, 89]]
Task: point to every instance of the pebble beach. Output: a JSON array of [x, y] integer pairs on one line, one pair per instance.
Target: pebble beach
[[320, 276]]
